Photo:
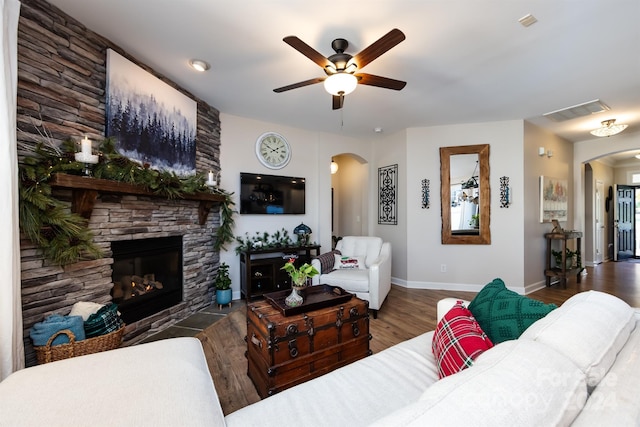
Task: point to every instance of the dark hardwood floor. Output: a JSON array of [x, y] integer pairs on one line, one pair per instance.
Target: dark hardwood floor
[[406, 313]]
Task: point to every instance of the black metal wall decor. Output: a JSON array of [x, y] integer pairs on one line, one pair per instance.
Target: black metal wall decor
[[388, 195], [505, 196], [425, 194]]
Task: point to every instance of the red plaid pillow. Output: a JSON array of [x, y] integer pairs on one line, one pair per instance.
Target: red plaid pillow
[[458, 340]]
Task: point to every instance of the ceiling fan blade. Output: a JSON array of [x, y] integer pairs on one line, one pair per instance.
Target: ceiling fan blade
[[300, 84], [383, 44], [384, 82], [337, 101], [306, 50]]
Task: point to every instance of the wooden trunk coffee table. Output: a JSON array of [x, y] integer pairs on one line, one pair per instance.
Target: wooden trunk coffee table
[[286, 350]]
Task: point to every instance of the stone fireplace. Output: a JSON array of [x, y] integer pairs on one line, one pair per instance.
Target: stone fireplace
[[118, 223], [61, 82]]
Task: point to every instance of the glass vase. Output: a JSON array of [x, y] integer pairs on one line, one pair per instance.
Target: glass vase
[[294, 299]]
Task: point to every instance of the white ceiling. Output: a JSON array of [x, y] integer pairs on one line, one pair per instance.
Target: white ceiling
[[463, 60]]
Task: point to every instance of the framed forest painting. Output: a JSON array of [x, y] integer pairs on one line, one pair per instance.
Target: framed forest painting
[[152, 122]]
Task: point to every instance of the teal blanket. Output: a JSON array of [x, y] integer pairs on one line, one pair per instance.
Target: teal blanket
[[42, 331]]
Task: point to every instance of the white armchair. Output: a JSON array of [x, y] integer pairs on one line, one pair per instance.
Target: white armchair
[[362, 267]]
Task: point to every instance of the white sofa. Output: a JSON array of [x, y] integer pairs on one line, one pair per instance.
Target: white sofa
[[370, 282], [163, 383], [576, 366]]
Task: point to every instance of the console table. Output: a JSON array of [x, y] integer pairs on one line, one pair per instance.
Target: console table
[[260, 269], [562, 272]]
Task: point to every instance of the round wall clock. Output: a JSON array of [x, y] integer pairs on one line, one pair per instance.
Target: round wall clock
[[273, 150]]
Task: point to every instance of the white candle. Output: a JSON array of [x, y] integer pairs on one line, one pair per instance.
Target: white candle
[[211, 181], [86, 146]]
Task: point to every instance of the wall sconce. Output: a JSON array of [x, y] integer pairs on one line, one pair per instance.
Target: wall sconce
[[505, 192], [542, 152], [425, 194], [334, 167]]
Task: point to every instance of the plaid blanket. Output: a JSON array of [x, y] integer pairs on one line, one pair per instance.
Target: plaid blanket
[[106, 320], [327, 260]]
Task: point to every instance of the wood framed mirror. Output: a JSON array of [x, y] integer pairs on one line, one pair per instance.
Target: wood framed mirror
[[465, 195]]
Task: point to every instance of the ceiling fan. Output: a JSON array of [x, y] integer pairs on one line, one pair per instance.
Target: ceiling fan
[[341, 68]]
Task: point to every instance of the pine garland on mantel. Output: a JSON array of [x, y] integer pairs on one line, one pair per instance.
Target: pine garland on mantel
[[63, 236]]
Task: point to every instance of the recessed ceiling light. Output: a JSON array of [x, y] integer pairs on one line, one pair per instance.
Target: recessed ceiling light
[[199, 65], [377, 130]]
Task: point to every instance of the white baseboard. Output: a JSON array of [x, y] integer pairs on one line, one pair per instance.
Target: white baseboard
[[462, 287]]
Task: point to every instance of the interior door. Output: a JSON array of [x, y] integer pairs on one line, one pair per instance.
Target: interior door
[[599, 225], [625, 217]]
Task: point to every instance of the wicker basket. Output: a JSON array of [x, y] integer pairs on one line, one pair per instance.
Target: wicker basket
[[48, 353]]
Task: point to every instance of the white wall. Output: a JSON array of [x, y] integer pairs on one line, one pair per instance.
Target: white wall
[[392, 150], [559, 165], [623, 174], [604, 173], [516, 252], [311, 157], [469, 267]]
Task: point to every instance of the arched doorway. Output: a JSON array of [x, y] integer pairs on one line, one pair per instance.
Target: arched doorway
[[602, 207], [349, 196]]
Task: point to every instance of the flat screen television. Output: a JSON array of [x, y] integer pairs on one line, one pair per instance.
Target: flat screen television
[[271, 194]]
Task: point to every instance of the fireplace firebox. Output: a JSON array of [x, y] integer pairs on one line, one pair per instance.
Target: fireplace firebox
[[147, 276]]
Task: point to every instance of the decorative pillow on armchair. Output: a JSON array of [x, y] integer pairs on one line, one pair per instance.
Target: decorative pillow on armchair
[[458, 340], [504, 314], [349, 262]]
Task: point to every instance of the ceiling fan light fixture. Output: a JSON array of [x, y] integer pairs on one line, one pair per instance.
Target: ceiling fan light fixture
[[199, 65], [608, 128], [340, 84]]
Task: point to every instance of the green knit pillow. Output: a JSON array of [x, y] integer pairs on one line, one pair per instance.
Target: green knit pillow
[[504, 314]]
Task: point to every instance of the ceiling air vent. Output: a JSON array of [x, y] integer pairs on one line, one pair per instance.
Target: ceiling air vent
[[527, 20], [580, 110]]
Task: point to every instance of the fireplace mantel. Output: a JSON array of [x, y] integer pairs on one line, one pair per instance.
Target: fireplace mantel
[[85, 191]]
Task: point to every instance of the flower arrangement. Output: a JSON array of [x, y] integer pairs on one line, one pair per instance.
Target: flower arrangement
[[300, 275]]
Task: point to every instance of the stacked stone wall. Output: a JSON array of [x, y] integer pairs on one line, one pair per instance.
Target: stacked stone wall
[[61, 95]]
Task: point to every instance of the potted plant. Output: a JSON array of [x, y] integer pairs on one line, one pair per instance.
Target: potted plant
[[569, 255], [223, 286], [475, 221], [299, 278]]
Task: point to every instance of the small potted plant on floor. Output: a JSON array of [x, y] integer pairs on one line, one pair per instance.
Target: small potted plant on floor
[[223, 286]]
